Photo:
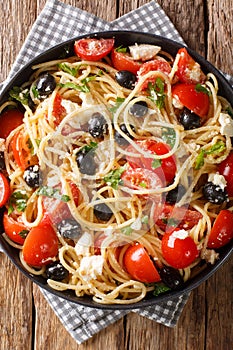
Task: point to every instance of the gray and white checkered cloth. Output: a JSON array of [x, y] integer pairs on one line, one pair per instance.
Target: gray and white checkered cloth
[[50, 29]]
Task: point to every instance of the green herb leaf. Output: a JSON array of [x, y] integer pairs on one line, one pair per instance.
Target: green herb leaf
[[91, 147], [169, 136], [68, 69], [18, 200], [160, 288], [118, 103], [217, 148], [201, 88], [52, 193], [70, 85], [24, 233], [113, 178], [156, 92], [121, 49], [20, 94], [35, 91], [156, 163], [127, 230], [143, 184]]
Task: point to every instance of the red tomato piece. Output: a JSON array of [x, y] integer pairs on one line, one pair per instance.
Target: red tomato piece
[[140, 178], [58, 110], [75, 193], [5, 190], [21, 151], [138, 264], [166, 171], [93, 49], [222, 230], [189, 71], [178, 249], [40, 246], [196, 101], [13, 228], [225, 168], [10, 120], [170, 216], [123, 61], [155, 65]]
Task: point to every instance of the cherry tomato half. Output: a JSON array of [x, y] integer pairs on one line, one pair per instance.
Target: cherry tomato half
[[21, 151], [40, 246], [14, 229], [4, 189], [138, 264], [123, 61], [93, 49], [9, 120], [155, 65], [171, 216], [189, 71], [178, 250], [196, 101], [140, 178], [58, 110], [166, 170], [225, 168], [222, 230]]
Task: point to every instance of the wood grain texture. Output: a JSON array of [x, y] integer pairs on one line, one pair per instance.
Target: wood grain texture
[[205, 324]]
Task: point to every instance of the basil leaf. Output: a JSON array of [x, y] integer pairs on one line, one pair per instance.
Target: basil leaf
[[156, 92], [201, 88], [52, 193], [70, 85], [121, 49], [118, 103], [24, 233], [127, 230], [217, 148], [145, 219], [160, 288], [156, 163], [91, 147], [200, 160], [17, 200], [113, 178], [70, 70], [19, 94]]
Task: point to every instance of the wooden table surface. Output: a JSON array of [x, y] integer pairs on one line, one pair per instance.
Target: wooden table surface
[[26, 320]]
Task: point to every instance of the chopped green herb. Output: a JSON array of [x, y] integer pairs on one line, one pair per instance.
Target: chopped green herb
[[156, 163], [143, 184], [30, 145], [113, 178], [18, 200], [91, 147], [118, 103], [201, 88], [145, 219], [127, 230], [70, 85], [20, 94], [160, 288], [24, 233], [52, 193], [156, 92], [217, 148], [68, 69], [121, 49], [35, 91], [169, 136]]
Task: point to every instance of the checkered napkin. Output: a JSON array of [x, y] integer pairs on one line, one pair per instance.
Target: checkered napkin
[[56, 23]]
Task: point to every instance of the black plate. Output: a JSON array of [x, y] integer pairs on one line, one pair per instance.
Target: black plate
[[124, 38]]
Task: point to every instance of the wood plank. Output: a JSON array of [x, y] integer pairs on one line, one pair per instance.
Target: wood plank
[[16, 308]]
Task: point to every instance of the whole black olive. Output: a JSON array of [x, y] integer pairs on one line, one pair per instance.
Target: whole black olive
[[126, 79], [138, 109], [44, 85], [214, 193], [189, 119], [119, 138], [102, 212], [86, 163], [32, 176], [2, 161], [176, 194], [69, 228], [97, 125], [171, 277], [56, 271]]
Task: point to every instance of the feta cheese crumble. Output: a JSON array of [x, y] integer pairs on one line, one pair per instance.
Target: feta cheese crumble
[[181, 234], [217, 180], [226, 124], [91, 267], [143, 52]]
